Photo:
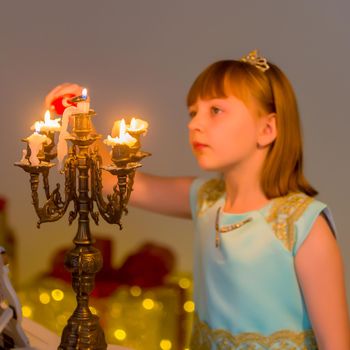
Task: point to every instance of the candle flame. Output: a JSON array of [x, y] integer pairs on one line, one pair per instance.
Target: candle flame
[[122, 129], [133, 124], [49, 124], [84, 93], [124, 137], [137, 125], [37, 126], [47, 117]]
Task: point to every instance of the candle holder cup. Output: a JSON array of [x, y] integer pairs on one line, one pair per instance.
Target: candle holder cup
[[82, 123], [49, 152]]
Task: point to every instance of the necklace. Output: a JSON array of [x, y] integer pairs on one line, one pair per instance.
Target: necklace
[[226, 228]]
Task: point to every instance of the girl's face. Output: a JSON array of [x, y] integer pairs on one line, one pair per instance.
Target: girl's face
[[223, 132]]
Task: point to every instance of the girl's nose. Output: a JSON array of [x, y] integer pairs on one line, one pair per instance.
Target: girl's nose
[[196, 123]]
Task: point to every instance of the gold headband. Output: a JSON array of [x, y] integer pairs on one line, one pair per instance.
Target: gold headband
[[255, 60]]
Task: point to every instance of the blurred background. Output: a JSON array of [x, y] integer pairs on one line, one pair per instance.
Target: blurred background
[[140, 57]]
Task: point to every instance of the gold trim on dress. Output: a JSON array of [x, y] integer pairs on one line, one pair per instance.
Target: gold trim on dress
[[284, 212], [283, 215], [209, 193], [204, 338]]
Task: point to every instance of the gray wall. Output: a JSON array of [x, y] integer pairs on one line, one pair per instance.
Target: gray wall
[[140, 57]]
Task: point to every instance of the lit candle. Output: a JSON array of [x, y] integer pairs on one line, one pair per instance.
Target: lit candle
[[122, 145], [137, 128], [123, 139], [137, 125], [116, 128], [48, 125], [83, 104], [35, 142]]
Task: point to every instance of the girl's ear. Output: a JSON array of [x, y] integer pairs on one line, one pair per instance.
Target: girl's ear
[[268, 130]]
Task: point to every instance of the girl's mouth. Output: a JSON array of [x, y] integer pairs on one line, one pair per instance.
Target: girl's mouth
[[198, 146]]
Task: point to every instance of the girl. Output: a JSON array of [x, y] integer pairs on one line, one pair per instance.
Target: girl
[[268, 272]]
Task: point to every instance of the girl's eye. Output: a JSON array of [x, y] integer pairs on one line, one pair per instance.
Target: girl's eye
[[215, 110], [192, 114]]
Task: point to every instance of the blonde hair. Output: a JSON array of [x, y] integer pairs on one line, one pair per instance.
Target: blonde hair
[[282, 171]]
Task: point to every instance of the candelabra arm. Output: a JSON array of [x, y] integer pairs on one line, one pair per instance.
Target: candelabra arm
[[130, 186], [70, 171], [46, 183], [54, 207], [110, 210]]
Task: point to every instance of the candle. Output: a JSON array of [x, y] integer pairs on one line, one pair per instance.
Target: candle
[[48, 125], [123, 139], [121, 145], [116, 128], [83, 104], [35, 142], [137, 128], [137, 125]]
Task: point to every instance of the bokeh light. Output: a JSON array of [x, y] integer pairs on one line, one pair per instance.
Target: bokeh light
[[26, 311], [44, 298], [189, 306], [185, 283], [135, 291], [165, 344], [57, 294], [119, 334]]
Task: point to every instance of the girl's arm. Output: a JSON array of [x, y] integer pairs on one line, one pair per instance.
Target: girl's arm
[[320, 272], [162, 195]]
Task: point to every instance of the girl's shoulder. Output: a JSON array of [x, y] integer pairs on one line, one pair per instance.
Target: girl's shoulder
[[205, 193], [292, 216]]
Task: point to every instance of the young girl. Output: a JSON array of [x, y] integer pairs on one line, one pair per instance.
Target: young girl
[[268, 272]]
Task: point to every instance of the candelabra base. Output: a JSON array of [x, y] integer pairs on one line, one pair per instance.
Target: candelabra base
[[83, 334]]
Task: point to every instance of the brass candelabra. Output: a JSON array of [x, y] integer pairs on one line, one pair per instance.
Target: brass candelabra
[[83, 187]]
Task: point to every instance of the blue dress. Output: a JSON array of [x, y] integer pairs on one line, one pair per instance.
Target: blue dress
[[246, 290]]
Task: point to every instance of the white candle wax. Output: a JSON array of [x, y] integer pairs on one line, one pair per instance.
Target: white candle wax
[[126, 140], [84, 105], [116, 128], [62, 147], [138, 125], [49, 125], [35, 142], [123, 139]]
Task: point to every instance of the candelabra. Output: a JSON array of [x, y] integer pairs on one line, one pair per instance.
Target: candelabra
[[83, 187]]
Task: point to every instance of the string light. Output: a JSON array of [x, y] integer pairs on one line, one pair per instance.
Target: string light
[[26, 311], [148, 304], [57, 294], [44, 298], [184, 283], [47, 304], [189, 306], [119, 334], [165, 344], [135, 291]]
